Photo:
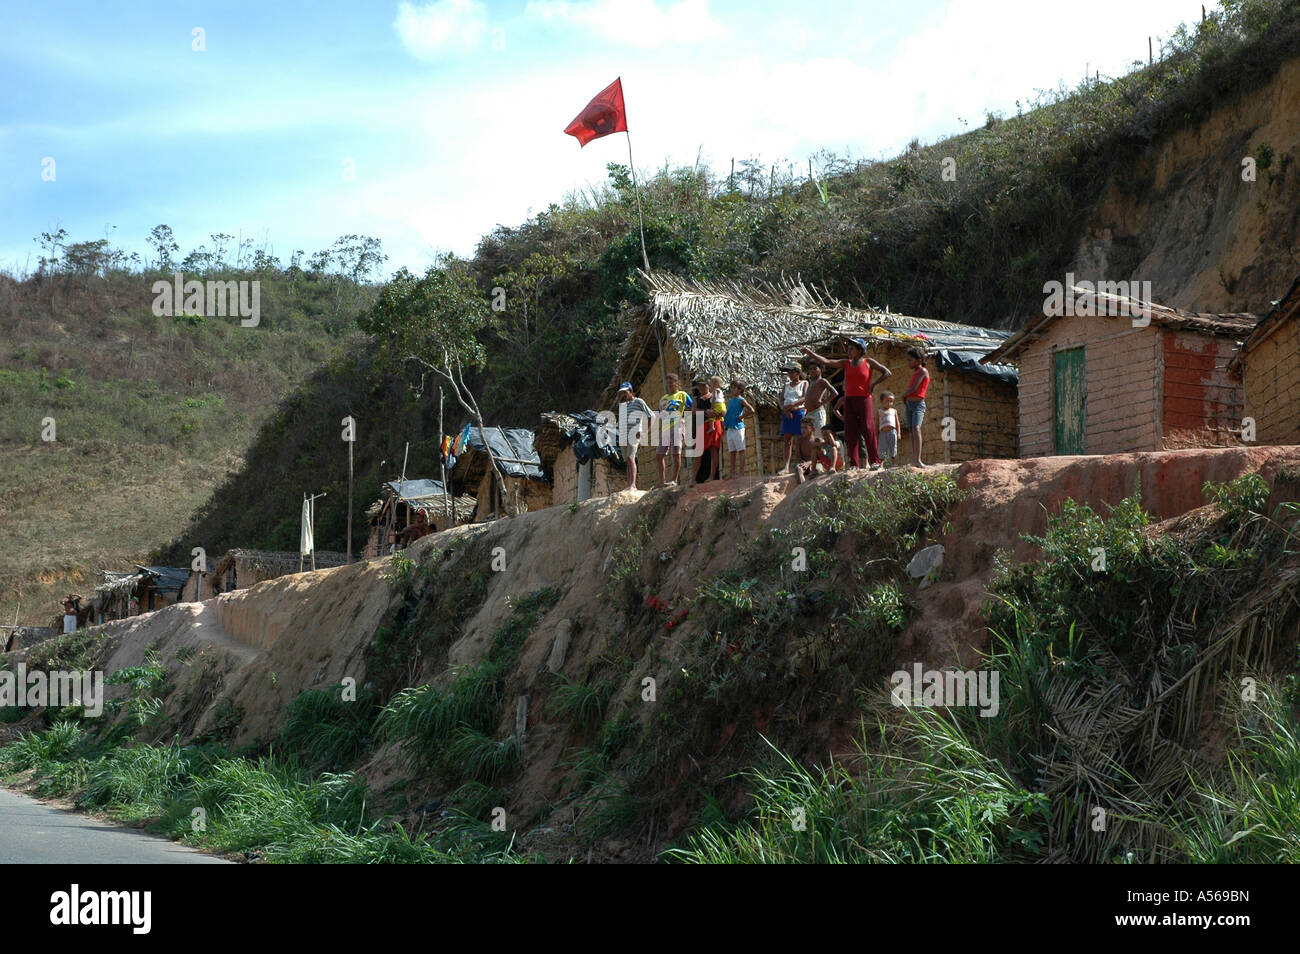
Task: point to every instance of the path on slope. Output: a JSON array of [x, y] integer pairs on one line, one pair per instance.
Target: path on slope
[[35, 833]]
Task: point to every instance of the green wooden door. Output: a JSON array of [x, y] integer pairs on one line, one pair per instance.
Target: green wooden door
[[1071, 383]]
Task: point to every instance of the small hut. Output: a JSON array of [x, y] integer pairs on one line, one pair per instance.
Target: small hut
[[408, 509], [521, 469], [240, 568], [1267, 365], [1119, 375], [746, 332], [580, 456], [142, 590], [115, 598]]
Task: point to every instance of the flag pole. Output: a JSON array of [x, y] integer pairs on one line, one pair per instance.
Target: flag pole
[[636, 189]]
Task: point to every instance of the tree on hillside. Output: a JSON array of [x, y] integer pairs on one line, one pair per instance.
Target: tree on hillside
[[434, 321]]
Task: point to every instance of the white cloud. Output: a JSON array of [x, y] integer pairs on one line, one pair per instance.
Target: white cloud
[[430, 30], [642, 23]]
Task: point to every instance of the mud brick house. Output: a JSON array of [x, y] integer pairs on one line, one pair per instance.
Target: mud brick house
[[746, 332], [1269, 366], [1138, 377], [240, 568], [142, 590], [581, 458]]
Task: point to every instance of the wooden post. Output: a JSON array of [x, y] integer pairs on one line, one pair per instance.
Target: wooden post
[[1151, 55], [350, 500], [947, 410], [442, 465]]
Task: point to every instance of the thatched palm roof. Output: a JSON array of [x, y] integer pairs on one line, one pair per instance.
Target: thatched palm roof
[[746, 331]]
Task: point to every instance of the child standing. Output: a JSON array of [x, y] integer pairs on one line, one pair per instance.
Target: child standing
[[858, 370], [671, 427], [709, 403], [792, 410], [887, 429], [914, 401], [734, 425]]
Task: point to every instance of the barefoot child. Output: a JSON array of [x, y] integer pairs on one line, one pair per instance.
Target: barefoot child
[[814, 456], [914, 401], [887, 429], [637, 420], [734, 424], [818, 400], [671, 427]]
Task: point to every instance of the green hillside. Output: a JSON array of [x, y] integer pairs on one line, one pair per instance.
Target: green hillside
[[169, 421]]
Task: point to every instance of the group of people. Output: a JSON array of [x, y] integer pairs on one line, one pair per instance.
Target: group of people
[[808, 403]]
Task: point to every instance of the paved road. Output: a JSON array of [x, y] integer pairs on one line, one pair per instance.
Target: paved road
[[32, 833]]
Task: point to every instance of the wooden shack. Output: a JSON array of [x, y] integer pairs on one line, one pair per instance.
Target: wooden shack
[[142, 590], [526, 486], [571, 481], [746, 332], [1119, 376], [1269, 367], [409, 508]]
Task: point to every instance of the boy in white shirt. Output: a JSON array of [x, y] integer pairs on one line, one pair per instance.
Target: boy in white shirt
[[887, 428]]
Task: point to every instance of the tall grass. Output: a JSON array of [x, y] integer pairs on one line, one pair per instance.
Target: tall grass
[[935, 799], [1249, 812], [326, 731], [264, 810]]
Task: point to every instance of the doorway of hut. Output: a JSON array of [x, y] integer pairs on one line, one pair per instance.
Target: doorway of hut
[[1069, 398]]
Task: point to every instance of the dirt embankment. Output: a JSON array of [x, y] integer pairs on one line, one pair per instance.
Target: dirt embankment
[[240, 659], [1182, 217], [255, 650]]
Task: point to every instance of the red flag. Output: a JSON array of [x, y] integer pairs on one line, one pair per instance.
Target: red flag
[[604, 115]]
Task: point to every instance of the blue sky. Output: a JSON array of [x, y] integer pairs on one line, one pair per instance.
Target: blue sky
[[449, 115]]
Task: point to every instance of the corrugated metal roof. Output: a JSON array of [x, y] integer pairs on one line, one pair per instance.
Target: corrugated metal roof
[[166, 578], [415, 489]]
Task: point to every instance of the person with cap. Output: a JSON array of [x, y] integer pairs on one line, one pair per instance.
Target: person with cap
[[858, 415], [633, 427], [792, 411]]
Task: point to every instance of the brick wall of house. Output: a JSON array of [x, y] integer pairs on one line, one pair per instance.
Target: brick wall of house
[[1123, 381], [1201, 402], [1272, 386]]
